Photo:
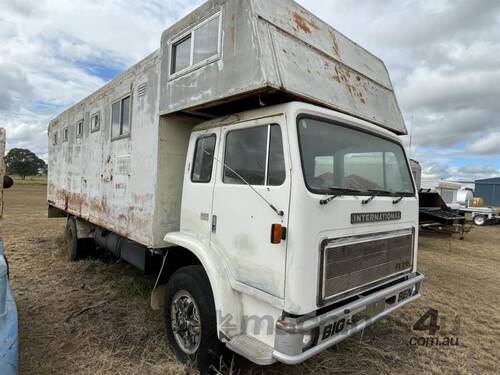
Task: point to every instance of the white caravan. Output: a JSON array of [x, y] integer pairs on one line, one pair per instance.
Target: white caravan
[[253, 164]]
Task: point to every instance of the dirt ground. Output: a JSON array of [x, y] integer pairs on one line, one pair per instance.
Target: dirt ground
[[120, 334]]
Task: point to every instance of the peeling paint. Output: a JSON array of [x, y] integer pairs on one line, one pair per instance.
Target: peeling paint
[[335, 46], [303, 24]]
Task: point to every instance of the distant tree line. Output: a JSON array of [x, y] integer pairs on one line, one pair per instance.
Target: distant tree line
[[23, 162]]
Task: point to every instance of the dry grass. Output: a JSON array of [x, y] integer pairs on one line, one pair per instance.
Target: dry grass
[[122, 335], [30, 180]]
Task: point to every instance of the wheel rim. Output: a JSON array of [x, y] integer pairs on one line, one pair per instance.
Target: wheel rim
[[185, 320], [479, 220]]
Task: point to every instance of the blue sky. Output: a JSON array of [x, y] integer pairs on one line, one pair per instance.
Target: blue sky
[[443, 57]]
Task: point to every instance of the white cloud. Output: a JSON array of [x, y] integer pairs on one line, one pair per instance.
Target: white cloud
[[486, 146]]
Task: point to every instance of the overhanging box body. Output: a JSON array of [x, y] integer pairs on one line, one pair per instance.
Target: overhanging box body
[[264, 52], [270, 47]]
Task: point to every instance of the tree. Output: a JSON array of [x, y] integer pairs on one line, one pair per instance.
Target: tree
[[23, 162]]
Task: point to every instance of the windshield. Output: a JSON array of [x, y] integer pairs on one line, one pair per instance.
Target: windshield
[[339, 157]]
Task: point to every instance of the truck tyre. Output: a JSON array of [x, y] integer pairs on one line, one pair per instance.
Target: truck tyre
[[190, 319], [75, 248], [479, 220]]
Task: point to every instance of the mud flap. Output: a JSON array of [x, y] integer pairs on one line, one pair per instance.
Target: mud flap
[[158, 292]]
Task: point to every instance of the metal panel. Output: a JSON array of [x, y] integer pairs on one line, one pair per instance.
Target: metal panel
[[279, 47], [301, 24], [236, 72], [110, 183], [353, 264], [489, 190]]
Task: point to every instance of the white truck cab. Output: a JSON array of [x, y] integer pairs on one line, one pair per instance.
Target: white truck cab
[[251, 164], [340, 194]]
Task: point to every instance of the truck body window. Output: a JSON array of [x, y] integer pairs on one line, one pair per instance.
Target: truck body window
[[203, 159], [276, 163], [94, 122], [246, 154], [198, 46], [120, 118], [79, 128], [206, 41], [181, 54]]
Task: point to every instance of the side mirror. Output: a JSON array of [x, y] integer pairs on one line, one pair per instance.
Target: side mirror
[[7, 182]]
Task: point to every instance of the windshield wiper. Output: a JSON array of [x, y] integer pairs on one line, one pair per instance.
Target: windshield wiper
[[398, 199], [375, 192], [400, 195], [338, 192]]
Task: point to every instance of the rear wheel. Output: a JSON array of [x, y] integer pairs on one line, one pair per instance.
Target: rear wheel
[[190, 318], [479, 220], [76, 248]]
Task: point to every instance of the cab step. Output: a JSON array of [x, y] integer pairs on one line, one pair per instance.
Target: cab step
[[252, 349]]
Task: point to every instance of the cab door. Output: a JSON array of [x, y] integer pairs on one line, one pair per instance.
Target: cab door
[[254, 151], [198, 188]]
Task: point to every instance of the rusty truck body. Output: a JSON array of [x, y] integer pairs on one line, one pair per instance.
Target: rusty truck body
[[254, 157]]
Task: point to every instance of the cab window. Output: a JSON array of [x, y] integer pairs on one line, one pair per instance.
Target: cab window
[[254, 155], [203, 159]]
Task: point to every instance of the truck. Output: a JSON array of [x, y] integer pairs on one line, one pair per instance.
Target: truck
[[252, 164]]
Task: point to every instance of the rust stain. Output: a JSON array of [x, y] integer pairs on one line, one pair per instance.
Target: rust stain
[[303, 24], [343, 76], [232, 30], [335, 46]]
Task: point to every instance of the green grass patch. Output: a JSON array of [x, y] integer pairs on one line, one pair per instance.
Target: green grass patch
[[126, 285]]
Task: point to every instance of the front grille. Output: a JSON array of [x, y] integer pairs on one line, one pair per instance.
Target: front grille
[[355, 264]]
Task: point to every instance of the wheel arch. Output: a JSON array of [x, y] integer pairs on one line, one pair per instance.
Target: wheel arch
[[187, 251]]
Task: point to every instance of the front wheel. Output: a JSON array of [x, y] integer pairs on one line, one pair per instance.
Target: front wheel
[[190, 318], [479, 220]]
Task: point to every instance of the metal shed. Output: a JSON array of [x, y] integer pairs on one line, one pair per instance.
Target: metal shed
[[489, 190]]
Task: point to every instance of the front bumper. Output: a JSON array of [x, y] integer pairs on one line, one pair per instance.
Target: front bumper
[[290, 332]]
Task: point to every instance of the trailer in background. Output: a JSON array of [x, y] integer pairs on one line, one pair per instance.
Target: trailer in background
[[436, 216]]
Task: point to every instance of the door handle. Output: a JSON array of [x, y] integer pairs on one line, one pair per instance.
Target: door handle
[[214, 223]]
